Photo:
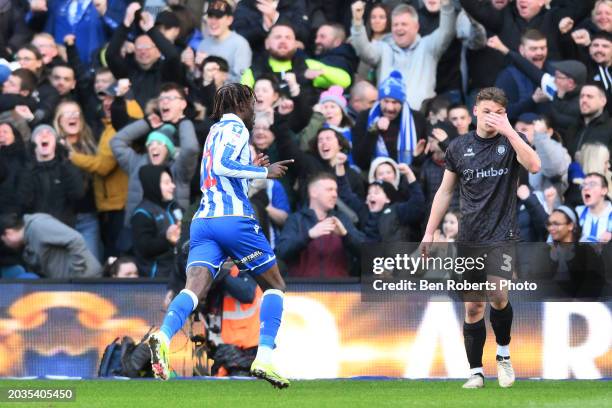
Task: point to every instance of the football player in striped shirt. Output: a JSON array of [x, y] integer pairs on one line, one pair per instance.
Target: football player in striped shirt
[[225, 226]]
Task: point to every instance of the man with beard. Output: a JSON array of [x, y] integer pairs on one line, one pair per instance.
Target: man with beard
[[523, 96], [597, 58], [594, 125], [331, 49], [390, 128], [282, 57]]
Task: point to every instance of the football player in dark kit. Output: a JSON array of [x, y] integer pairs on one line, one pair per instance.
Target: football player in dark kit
[[486, 164]]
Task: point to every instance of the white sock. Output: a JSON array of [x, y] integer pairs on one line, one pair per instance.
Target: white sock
[[264, 354], [477, 370], [503, 351]]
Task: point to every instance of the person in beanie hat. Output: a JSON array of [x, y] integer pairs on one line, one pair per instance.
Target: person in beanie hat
[[332, 105], [159, 139], [384, 216], [391, 128]]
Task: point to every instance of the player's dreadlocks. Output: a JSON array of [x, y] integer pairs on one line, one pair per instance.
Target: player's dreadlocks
[[232, 98]]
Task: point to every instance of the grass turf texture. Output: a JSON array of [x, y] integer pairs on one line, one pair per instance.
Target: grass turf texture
[[335, 393]]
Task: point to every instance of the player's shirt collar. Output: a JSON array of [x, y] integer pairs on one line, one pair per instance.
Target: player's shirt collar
[[231, 117]]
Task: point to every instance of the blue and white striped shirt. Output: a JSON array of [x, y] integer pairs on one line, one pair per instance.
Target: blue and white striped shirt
[[226, 169]]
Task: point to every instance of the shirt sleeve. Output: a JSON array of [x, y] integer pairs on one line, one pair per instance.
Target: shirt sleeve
[[449, 158], [226, 159]]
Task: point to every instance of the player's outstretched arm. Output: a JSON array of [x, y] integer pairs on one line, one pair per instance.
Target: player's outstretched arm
[[440, 204]]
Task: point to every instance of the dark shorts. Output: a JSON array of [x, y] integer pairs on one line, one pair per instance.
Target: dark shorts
[[490, 260]]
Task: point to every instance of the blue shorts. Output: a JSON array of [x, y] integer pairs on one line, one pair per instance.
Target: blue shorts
[[213, 240]]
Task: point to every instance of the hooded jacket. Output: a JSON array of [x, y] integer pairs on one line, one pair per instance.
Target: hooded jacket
[[396, 222], [182, 167], [155, 255], [54, 250]]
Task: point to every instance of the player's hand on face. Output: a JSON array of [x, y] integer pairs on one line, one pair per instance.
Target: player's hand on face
[[523, 192], [278, 169], [339, 228], [261, 160], [499, 122], [322, 228]]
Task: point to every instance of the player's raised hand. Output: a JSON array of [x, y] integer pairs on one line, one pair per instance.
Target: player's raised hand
[[325, 227], [261, 160], [278, 169]]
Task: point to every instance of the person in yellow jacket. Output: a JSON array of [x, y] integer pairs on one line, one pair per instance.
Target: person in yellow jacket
[[110, 181]]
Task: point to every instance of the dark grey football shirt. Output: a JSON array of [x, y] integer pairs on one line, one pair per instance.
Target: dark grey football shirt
[[488, 173]]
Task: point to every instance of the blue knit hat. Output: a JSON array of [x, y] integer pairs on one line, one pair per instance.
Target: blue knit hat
[[393, 87]]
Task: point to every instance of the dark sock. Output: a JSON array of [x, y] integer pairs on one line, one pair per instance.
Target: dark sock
[[501, 321], [474, 336]]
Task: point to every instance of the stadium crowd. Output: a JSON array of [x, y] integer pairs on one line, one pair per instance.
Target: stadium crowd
[[105, 108]]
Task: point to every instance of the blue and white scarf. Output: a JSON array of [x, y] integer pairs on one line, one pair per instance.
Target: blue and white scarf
[[406, 140]]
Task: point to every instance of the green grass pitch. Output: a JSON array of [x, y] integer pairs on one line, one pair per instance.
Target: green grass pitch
[[335, 393]]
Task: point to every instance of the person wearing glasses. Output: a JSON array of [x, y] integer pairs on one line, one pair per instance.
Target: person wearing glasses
[[165, 132], [47, 97], [595, 216], [145, 68]]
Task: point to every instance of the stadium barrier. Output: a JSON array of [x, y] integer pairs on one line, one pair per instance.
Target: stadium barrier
[[328, 332]]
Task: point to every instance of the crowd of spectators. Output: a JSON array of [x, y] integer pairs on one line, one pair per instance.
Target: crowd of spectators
[[105, 108]]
